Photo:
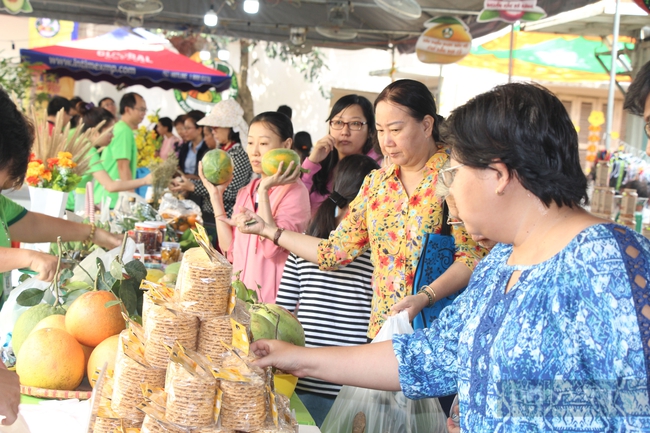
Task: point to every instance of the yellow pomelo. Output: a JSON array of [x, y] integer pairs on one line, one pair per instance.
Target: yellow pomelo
[[51, 358], [53, 321], [104, 353], [30, 318]]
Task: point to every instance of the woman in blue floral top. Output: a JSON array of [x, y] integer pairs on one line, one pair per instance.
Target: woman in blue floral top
[[552, 333]]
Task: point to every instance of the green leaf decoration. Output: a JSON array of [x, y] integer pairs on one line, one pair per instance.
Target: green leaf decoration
[[110, 304], [127, 294], [73, 295], [532, 16], [116, 270], [136, 270], [30, 297], [64, 276], [488, 15]]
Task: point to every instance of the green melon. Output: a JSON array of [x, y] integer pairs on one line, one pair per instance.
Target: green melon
[[272, 159], [217, 166]]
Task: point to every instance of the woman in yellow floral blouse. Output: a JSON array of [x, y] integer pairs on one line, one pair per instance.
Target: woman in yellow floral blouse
[[396, 207]]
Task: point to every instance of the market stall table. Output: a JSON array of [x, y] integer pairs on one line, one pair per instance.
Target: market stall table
[[71, 416]]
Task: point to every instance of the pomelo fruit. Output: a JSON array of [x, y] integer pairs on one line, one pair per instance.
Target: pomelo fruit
[[217, 166], [104, 353], [275, 322], [30, 318], [272, 159], [154, 275], [90, 322], [51, 359], [53, 321]]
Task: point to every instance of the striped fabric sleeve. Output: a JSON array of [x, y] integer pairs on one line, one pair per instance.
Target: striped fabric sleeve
[[289, 291]]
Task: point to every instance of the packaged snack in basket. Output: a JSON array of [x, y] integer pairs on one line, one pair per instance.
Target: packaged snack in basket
[[108, 420], [164, 324], [218, 334], [154, 419], [131, 371], [244, 394], [204, 284], [191, 389]]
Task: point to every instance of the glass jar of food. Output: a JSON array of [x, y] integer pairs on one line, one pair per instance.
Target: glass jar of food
[[170, 253], [147, 235]]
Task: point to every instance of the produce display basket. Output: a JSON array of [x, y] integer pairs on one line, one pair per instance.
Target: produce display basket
[[55, 393]]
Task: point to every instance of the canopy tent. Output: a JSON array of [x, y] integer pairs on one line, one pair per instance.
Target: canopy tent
[[123, 57], [375, 27], [549, 57]]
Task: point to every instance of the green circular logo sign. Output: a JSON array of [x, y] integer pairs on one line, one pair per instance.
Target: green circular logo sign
[[194, 100]]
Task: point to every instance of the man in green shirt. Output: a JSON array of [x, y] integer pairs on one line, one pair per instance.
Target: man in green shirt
[[119, 159]]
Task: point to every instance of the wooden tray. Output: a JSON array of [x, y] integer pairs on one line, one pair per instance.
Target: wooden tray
[[55, 393]]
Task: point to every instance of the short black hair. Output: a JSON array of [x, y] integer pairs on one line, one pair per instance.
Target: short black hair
[[167, 123], [95, 116], [286, 110], [180, 119], [128, 100], [99, 104], [302, 143], [416, 98], [638, 92], [278, 122], [527, 128], [16, 139], [56, 104]]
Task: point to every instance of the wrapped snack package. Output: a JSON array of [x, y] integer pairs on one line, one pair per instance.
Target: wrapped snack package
[[164, 326], [212, 333], [131, 371], [244, 403], [152, 425], [204, 284], [191, 389], [108, 420]]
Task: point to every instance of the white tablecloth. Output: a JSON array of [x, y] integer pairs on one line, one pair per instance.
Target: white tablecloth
[[71, 416]]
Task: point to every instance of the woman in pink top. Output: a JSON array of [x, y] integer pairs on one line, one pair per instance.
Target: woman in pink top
[[352, 132], [170, 141], [281, 199]]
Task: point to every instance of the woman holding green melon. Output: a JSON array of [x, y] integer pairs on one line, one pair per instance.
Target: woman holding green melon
[[280, 199]]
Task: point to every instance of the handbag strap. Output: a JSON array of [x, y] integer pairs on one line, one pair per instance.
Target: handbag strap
[[445, 230], [636, 267]]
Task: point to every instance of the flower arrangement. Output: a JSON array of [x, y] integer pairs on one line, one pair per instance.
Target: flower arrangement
[[56, 173], [148, 143]]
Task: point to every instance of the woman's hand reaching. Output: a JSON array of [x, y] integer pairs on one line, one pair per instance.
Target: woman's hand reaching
[[247, 222], [279, 354], [412, 303]]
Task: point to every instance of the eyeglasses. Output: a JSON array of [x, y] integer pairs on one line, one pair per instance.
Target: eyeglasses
[[447, 175], [647, 129], [141, 109], [354, 126]]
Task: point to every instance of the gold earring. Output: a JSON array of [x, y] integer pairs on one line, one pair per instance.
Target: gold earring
[[497, 192]]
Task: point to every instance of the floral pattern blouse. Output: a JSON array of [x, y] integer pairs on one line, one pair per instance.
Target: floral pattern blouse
[[384, 219], [561, 351]]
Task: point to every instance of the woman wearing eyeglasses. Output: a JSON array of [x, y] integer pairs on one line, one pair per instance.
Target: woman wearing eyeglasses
[[396, 207], [551, 334], [352, 132]]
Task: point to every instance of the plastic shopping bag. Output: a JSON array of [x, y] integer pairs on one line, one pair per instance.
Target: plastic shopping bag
[[385, 411]]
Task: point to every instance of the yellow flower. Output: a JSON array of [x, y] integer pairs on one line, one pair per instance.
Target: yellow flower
[[65, 155], [47, 175]]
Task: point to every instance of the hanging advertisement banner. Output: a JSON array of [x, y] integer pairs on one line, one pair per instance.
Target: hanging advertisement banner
[[511, 11], [16, 6], [446, 40]]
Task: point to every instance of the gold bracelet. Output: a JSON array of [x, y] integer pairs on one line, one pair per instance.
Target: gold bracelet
[[91, 236], [425, 292], [429, 289]]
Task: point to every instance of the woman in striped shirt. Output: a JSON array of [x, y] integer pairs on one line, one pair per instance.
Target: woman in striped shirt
[[332, 306]]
